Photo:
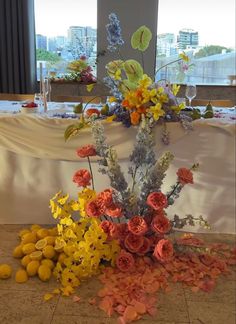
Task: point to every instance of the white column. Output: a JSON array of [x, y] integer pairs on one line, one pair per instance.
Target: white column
[[132, 14]]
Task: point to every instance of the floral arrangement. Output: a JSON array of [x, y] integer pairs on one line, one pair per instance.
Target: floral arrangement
[[80, 71]]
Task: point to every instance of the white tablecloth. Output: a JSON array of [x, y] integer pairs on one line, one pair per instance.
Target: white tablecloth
[[36, 162]]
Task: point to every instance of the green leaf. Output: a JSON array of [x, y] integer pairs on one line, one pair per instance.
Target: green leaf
[[141, 38], [133, 70], [78, 108], [127, 85], [73, 130]]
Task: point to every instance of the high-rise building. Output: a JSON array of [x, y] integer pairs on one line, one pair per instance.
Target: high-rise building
[[187, 38], [76, 34], [41, 41], [52, 45], [60, 41]]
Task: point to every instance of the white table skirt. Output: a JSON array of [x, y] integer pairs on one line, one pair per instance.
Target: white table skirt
[[31, 174]]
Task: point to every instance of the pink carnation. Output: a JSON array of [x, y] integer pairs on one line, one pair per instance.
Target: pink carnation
[[184, 176], [86, 151]]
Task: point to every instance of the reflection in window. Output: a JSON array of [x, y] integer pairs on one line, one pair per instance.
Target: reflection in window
[[65, 31]]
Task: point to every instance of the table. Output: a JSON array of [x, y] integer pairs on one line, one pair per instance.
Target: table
[[36, 163]]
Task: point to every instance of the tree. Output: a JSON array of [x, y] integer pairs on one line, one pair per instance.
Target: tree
[[43, 55], [211, 50]]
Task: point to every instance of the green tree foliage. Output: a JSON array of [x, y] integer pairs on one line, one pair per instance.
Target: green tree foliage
[[211, 50], [43, 55]]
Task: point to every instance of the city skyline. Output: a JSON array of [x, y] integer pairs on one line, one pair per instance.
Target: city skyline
[[218, 30]]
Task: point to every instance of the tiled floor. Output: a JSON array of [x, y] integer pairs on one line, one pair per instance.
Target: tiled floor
[[23, 303]]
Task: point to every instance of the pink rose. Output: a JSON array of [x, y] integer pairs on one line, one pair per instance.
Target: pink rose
[[184, 176], [164, 250], [161, 224], [86, 151], [137, 225], [157, 200], [93, 209], [113, 211], [125, 261], [82, 178], [133, 242], [109, 228]]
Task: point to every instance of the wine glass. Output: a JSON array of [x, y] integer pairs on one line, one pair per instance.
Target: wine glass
[[46, 87], [190, 93]]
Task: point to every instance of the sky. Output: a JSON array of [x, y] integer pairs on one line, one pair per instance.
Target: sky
[[213, 19]]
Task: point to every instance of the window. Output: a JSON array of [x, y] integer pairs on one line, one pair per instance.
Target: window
[[65, 30], [205, 30]]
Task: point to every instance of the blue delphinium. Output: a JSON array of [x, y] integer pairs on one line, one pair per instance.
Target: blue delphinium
[[114, 33]]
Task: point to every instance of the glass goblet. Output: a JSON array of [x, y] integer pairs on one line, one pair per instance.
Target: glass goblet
[[190, 93]]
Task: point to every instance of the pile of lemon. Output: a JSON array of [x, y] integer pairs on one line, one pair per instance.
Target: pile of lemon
[[38, 253]]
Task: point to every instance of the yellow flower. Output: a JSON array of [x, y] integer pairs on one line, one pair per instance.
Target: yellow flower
[[112, 99], [145, 82], [184, 57], [62, 200], [67, 291], [68, 278], [175, 89], [156, 111]]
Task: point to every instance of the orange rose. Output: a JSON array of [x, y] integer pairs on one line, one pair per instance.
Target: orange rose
[[145, 247], [184, 176], [135, 118], [85, 151], [137, 225], [109, 228], [113, 211], [164, 250], [133, 242], [82, 178], [122, 231], [93, 209], [161, 224], [157, 200], [125, 261]]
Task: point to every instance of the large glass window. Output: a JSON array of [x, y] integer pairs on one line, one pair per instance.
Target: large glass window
[[65, 31], [205, 30]]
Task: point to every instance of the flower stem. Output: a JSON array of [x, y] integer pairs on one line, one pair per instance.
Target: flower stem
[[180, 59], [142, 60], [91, 171], [172, 192]]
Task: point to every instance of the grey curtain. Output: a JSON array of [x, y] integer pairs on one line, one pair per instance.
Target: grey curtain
[[17, 46]]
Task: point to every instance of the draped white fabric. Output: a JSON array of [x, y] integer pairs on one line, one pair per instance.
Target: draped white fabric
[[36, 163]]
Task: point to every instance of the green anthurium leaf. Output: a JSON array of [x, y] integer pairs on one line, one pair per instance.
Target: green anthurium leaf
[[127, 85], [73, 130], [133, 70], [113, 66], [141, 38]]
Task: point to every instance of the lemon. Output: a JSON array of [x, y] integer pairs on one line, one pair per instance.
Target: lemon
[[59, 246], [41, 244], [35, 227], [49, 263], [17, 252], [25, 260], [53, 231], [50, 240], [32, 268], [61, 257], [21, 276], [44, 273], [23, 232], [28, 248], [42, 233], [29, 238], [36, 255], [49, 252], [5, 271]]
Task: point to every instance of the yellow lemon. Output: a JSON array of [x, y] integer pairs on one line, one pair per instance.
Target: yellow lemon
[[25, 260], [36, 255], [59, 246], [53, 231], [50, 240], [32, 268], [49, 263], [49, 252], [61, 257], [21, 276], [5, 271], [41, 244], [17, 252], [28, 248], [35, 227], [42, 233], [44, 273], [23, 232], [29, 238]]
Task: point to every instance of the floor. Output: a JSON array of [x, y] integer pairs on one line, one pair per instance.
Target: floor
[[24, 304]]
